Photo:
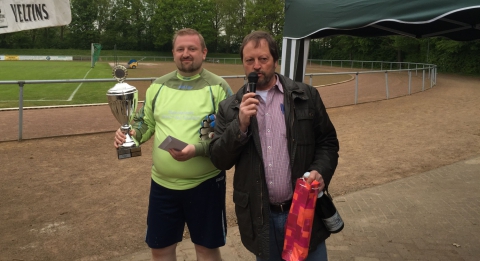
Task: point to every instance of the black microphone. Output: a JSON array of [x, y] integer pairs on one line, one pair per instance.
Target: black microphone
[[252, 82]]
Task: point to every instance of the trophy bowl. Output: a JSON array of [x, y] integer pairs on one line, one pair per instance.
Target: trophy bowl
[[123, 99]]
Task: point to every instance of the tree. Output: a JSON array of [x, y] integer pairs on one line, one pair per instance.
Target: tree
[[84, 25], [126, 26], [196, 14], [104, 7], [16, 40], [265, 15], [403, 45]]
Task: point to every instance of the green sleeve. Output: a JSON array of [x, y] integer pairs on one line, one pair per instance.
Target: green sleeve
[[143, 121], [202, 147], [138, 125]]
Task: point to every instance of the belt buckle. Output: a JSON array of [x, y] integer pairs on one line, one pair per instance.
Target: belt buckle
[[281, 207]]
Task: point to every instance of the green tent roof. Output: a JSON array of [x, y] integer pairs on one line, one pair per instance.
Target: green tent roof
[[454, 19]]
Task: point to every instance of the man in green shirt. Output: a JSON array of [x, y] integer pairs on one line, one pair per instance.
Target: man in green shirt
[[186, 187]]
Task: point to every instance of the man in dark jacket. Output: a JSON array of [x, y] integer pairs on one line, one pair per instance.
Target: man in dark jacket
[[273, 137]]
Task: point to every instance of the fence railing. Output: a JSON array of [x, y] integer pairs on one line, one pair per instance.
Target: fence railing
[[427, 68], [428, 71], [124, 59]]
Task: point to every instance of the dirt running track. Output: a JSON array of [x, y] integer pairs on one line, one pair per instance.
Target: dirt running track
[[68, 198]]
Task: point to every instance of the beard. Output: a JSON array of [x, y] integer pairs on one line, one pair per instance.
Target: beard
[[263, 84], [189, 68]]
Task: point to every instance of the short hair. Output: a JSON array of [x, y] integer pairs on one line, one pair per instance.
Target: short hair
[[257, 36], [188, 31]]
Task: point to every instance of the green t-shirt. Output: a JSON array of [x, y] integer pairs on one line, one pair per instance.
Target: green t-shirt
[[181, 103]]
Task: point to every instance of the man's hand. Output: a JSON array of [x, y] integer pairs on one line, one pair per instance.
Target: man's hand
[[183, 155], [248, 108], [120, 137], [314, 175]]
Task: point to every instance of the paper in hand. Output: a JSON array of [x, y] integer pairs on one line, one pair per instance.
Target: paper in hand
[[172, 143]]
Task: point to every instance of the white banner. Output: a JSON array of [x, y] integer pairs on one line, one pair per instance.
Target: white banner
[[18, 15], [44, 58], [35, 58]]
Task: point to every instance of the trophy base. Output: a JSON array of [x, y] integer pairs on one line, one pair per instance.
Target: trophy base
[[125, 153]]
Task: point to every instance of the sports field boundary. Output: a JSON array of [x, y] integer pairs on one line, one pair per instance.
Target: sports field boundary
[[344, 89], [55, 106]]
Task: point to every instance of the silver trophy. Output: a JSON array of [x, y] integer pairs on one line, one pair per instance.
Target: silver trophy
[[123, 100]]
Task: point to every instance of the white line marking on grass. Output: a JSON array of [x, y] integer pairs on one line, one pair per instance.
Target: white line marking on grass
[[78, 87]]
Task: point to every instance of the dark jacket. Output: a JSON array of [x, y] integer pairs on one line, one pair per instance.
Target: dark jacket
[[312, 145]]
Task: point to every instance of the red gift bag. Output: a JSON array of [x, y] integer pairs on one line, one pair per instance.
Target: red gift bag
[[299, 221]]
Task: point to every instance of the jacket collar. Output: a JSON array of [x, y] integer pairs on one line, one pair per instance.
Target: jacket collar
[[292, 88]]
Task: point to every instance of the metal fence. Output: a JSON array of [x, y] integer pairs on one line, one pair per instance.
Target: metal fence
[[124, 58], [428, 72], [152, 59]]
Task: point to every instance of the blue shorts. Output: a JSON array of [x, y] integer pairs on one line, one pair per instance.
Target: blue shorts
[[201, 207]]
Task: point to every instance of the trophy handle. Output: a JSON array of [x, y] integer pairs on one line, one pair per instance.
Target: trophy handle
[[125, 128], [129, 148], [129, 142]]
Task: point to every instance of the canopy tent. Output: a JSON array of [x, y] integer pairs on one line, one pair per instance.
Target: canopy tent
[[308, 19]]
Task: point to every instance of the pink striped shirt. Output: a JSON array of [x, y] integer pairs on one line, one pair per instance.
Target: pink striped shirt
[[273, 137]]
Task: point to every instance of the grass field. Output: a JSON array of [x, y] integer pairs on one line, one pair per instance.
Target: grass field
[[76, 52], [90, 93], [53, 94]]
